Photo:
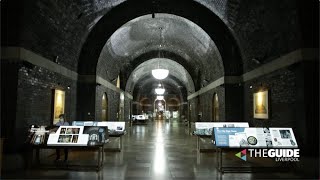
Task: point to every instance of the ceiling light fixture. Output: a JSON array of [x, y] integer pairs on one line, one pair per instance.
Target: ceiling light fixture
[[160, 98], [159, 90], [160, 73]]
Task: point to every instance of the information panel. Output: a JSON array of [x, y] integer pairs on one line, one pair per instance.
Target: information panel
[[206, 128], [254, 137], [112, 125]]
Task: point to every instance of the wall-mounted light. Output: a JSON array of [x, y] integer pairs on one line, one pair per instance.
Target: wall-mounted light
[[69, 87]]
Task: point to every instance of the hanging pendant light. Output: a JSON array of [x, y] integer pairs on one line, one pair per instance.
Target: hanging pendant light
[[160, 98], [160, 73], [159, 90]]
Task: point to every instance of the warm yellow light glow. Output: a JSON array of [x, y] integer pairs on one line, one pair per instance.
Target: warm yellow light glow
[[59, 103], [260, 99], [59, 99]]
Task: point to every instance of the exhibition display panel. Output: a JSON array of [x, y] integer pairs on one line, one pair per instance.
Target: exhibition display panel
[[85, 138], [115, 129], [251, 142], [205, 130], [255, 138]]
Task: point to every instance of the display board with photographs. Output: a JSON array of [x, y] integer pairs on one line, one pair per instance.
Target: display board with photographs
[[206, 128], [254, 137], [69, 136], [283, 137]]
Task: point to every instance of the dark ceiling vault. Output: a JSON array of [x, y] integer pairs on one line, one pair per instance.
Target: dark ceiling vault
[[123, 13], [200, 41], [86, 35]]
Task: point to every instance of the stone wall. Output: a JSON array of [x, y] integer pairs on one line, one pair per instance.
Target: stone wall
[[33, 98], [292, 93], [113, 103], [206, 101]]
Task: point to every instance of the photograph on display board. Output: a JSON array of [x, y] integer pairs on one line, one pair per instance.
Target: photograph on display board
[[69, 131], [75, 138], [268, 138], [285, 134], [97, 135], [63, 131], [260, 105], [75, 130], [65, 139]]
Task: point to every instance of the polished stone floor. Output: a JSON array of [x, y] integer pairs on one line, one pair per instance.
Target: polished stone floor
[[156, 150]]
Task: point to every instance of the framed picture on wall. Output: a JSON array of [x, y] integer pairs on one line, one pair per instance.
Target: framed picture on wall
[[58, 104], [260, 105]]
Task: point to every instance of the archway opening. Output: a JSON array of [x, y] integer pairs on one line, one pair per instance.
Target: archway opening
[[160, 109]]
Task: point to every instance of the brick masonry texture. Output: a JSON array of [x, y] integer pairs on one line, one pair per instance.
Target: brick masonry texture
[[54, 28], [34, 98], [288, 102], [113, 103], [206, 101], [59, 30]]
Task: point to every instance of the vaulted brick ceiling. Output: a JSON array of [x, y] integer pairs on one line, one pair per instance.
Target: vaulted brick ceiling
[[203, 36], [162, 33]]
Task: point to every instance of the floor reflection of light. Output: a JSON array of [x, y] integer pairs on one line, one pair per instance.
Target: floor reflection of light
[[167, 127], [159, 155], [140, 132]]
